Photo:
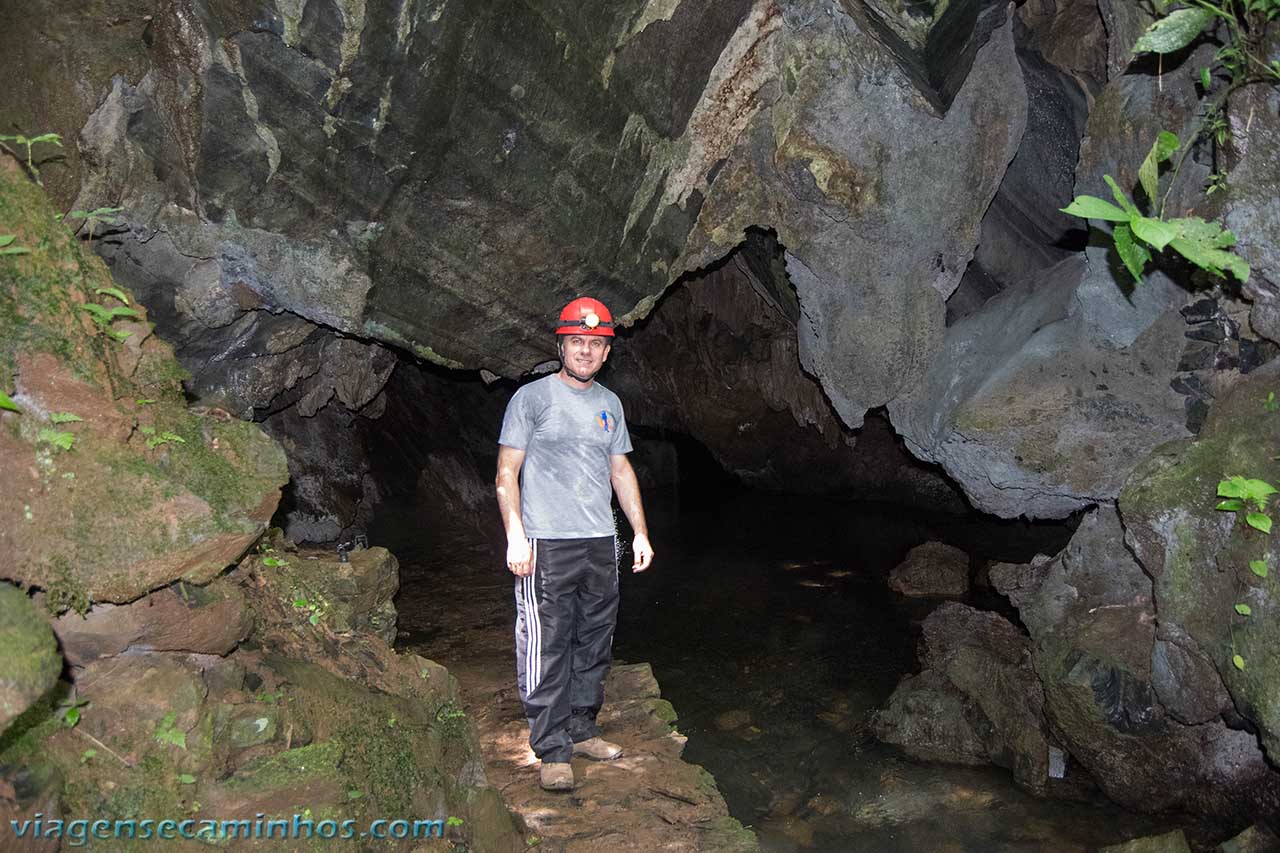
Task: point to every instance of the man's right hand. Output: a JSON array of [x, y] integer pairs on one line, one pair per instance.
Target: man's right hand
[[519, 557]]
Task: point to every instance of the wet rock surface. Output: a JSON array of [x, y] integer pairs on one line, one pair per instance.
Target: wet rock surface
[[1198, 559], [1092, 619], [934, 568], [649, 799], [977, 701], [29, 658]]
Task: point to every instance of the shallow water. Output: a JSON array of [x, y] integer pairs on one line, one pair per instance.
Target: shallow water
[[771, 629]]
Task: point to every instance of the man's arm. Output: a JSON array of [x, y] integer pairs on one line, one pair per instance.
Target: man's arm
[[519, 555], [625, 486]]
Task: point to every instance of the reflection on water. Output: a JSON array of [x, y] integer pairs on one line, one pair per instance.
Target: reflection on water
[[771, 629]]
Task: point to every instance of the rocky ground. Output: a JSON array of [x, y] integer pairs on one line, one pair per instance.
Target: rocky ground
[[647, 800]]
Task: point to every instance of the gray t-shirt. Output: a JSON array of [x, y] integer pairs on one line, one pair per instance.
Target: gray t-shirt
[[567, 435]]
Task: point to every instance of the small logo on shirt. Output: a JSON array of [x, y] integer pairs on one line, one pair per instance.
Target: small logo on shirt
[[607, 421]]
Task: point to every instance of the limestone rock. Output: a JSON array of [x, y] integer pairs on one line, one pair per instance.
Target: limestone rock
[[934, 568], [1198, 557], [1092, 618], [207, 620], [1256, 839], [137, 490], [977, 700], [314, 588], [1170, 842], [1014, 405], [1252, 209], [29, 659]]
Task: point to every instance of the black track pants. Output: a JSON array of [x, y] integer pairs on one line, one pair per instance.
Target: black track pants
[[565, 615]]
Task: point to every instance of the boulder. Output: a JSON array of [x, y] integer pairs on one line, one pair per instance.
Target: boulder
[[29, 659], [211, 619], [977, 700], [1256, 839], [934, 568], [125, 489], [1199, 561], [1093, 625], [1170, 842]]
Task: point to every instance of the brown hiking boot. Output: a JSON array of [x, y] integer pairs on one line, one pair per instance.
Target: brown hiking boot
[[557, 776], [597, 748]]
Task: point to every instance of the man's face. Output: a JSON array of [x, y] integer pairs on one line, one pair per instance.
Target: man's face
[[583, 355]]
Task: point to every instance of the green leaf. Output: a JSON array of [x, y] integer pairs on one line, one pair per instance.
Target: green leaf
[[315, 618], [1091, 207], [71, 717], [1205, 79], [99, 314], [1254, 491], [59, 439], [7, 249], [117, 335], [1237, 662], [64, 418], [88, 755], [46, 137], [6, 402], [114, 291], [1233, 505], [276, 562], [186, 779], [453, 821], [1121, 198], [1211, 259], [144, 401], [1259, 521], [1149, 172], [1134, 255], [1174, 31], [1244, 610], [1156, 232], [1258, 567], [300, 602]]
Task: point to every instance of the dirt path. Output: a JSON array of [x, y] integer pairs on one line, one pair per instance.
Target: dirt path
[[647, 800]]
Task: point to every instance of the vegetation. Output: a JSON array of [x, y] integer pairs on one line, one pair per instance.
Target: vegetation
[[1242, 25], [30, 142]]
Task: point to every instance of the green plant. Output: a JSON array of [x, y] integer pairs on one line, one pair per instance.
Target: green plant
[[315, 611], [104, 317], [186, 779], [88, 755], [1271, 404], [113, 292], [453, 821], [1204, 244], [7, 247], [104, 215], [57, 438], [165, 437], [69, 710], [31, 142], [274, 562], [1242, 491], [6, 402], [166, 733], [58, 418]]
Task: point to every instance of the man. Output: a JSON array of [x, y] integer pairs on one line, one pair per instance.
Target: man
[[562, 455]]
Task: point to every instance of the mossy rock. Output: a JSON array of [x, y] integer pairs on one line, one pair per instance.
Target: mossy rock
[[29, 658], [139, 490], [1199, 557]]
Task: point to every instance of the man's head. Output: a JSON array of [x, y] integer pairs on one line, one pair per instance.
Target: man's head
[[584, 336]]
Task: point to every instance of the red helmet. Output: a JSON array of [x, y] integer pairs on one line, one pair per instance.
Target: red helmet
[[585, 316]]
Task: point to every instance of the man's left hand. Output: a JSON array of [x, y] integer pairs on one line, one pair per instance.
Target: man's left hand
[[643, 552]]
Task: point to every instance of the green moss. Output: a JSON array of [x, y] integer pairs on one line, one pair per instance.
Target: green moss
[[728, 835], [665, 711], [289, 768]]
